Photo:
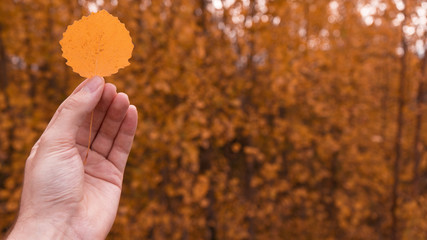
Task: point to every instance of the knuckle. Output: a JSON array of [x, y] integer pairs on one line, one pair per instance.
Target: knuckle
[[71, 104], [45, 139]]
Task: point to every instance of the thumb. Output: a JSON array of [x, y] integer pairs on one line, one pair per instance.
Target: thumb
[[74, 110]]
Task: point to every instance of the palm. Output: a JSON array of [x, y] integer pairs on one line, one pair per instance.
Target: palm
[[100, 196], [112, 134]]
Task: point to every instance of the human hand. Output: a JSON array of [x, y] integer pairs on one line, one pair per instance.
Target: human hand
[[63, 198]]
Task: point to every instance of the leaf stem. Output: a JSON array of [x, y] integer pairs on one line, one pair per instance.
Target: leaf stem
[[90, 137]]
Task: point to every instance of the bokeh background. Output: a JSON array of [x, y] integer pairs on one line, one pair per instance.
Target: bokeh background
[[259, 119]]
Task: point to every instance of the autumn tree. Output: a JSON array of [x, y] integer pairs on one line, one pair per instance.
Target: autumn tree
[[258, 119]]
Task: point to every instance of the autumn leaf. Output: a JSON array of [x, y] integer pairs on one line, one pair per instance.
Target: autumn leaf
[[97, 45]]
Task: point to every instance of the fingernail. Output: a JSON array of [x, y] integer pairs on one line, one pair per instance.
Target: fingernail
[[93, 84]]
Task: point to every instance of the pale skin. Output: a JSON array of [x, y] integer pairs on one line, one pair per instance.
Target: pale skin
[[63, 197]]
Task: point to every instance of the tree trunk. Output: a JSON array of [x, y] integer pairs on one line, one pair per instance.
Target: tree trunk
[[250, 161], [418, 122], [3, 62], [4, 83], [398, 139]]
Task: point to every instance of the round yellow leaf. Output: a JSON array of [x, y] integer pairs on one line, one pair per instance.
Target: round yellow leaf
[[97, 45]]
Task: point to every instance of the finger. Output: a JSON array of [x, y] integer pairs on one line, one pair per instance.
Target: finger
[[110, 126], [98, 115], [72, 112], [78, 88], [123, 143]]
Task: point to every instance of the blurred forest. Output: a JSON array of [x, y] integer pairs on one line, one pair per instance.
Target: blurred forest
[[259, 119]]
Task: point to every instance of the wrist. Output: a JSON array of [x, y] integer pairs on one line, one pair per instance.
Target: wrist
[[40, 229]]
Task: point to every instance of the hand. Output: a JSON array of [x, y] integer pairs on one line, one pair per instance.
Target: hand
[[63, 198]]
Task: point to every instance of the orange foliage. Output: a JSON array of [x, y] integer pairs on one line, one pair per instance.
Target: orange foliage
[[259, 119]]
